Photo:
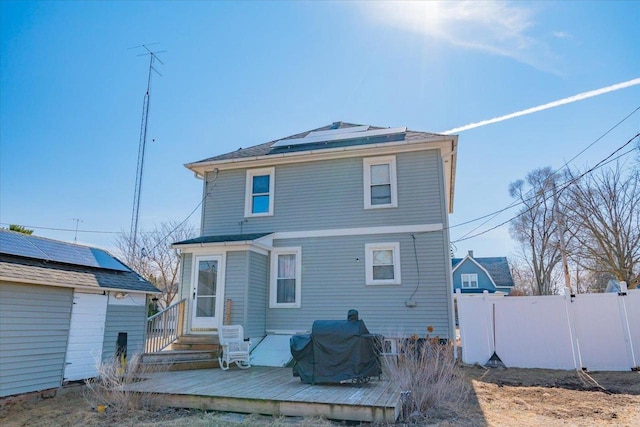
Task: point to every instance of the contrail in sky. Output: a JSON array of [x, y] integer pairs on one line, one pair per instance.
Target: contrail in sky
[[574, 98]]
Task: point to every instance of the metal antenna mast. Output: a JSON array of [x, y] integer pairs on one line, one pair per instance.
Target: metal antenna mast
[[133, 235]]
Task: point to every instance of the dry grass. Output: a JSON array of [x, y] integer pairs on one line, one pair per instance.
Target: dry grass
[[108, 392], [426, 374]]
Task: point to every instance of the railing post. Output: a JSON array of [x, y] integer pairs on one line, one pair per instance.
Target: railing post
[[179, 328]]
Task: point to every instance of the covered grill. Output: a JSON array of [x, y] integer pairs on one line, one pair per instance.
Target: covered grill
[[336, 351]]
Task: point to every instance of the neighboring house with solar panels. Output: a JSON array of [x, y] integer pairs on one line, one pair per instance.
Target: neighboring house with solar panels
[[306, 227], [62, 308], [476, 275]]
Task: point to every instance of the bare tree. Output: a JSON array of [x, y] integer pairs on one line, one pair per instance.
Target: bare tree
[[604, 210], [157, 261], [536, 229]]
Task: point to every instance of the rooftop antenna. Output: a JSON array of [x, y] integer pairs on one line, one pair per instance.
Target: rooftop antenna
[[133, 235], [77, 220]]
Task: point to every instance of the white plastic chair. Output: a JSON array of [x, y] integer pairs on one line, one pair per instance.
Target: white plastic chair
[[234, 347]]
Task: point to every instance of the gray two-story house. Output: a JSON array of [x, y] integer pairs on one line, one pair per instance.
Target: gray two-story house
[[309, 226]]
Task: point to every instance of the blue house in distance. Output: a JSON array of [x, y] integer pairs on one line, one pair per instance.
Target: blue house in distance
[[476, 275]]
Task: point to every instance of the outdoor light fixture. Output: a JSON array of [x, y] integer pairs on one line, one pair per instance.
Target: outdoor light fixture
[[120, 295]]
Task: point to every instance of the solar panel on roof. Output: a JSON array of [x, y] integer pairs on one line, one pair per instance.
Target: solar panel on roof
[[52, 250], [17, 244], [341, 136]]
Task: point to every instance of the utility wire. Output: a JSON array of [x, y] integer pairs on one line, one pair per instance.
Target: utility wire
[[602, 162], [206, 195], [566, 164]]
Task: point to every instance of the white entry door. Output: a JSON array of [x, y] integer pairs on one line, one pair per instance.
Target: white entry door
[[86, 336], [207, 292]]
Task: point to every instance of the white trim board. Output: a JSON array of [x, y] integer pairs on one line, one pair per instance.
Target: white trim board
[[362, 231]]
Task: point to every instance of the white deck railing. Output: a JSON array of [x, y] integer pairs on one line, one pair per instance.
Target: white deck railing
[[164, 327]]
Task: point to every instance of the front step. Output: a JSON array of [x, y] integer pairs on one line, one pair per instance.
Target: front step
[[178, 360], [187, 352], [196, 342]]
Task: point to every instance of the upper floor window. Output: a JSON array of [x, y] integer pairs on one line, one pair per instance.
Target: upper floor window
[[380, 187], [382, 261], [286, 284], [259, 192], [469, 281]]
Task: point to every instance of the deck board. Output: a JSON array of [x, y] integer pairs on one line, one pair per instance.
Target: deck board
[[272, 391]]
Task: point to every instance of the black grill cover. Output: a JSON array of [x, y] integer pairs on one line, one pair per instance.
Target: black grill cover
[[336, 350]]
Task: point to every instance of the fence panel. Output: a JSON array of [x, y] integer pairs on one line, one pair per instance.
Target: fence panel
[[594, 331], [534, 332], [476, 330], [601, 331]]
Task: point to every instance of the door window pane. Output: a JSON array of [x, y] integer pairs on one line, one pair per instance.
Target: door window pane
[[206, 307], [207, 277]]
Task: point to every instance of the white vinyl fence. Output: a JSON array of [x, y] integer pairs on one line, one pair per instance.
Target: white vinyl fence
[[598, 332]]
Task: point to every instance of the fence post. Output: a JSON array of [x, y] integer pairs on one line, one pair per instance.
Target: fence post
[[573, 336], [625, 323]]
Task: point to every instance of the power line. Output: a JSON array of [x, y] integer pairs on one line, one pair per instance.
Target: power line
[[566, 164], [603, 162]]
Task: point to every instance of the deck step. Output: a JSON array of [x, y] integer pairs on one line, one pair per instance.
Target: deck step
[[196, 342], [175, 360], [198, 339]]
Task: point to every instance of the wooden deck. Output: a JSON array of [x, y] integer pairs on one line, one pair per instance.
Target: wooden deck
[[272, 391]]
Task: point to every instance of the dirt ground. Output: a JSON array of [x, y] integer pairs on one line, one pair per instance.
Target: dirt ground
[[500, 397]]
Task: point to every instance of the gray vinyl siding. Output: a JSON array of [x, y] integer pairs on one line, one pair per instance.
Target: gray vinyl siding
[[185, 287], [236, 285], [309, 195], [34, 328], [333, 281], [257, 295], [124, 318]]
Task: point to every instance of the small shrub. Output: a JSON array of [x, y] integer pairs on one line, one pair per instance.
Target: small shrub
[[110, 389], [426, 374]]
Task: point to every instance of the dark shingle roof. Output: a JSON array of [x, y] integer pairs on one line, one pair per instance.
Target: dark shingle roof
[[223, 239], [54, 273], [497, 267], [266, 148], [36, 259]]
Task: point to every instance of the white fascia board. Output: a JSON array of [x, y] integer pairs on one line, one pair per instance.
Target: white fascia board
[[363, 231], [93, 289], [220, 247]]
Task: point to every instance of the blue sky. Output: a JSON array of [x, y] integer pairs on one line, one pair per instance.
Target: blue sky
[[239, 74]]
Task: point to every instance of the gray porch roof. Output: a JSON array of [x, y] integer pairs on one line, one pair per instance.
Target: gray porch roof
[[229, 238]]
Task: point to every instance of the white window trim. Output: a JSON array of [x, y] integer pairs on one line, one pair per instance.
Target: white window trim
[[469, 277], [248, 192], [385, 160], [368, 258], [273, 284]]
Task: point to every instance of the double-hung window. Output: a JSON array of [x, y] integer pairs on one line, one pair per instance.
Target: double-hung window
[[259, 192], [469, 281], [380, 185], [382, 263], [286, 284]]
